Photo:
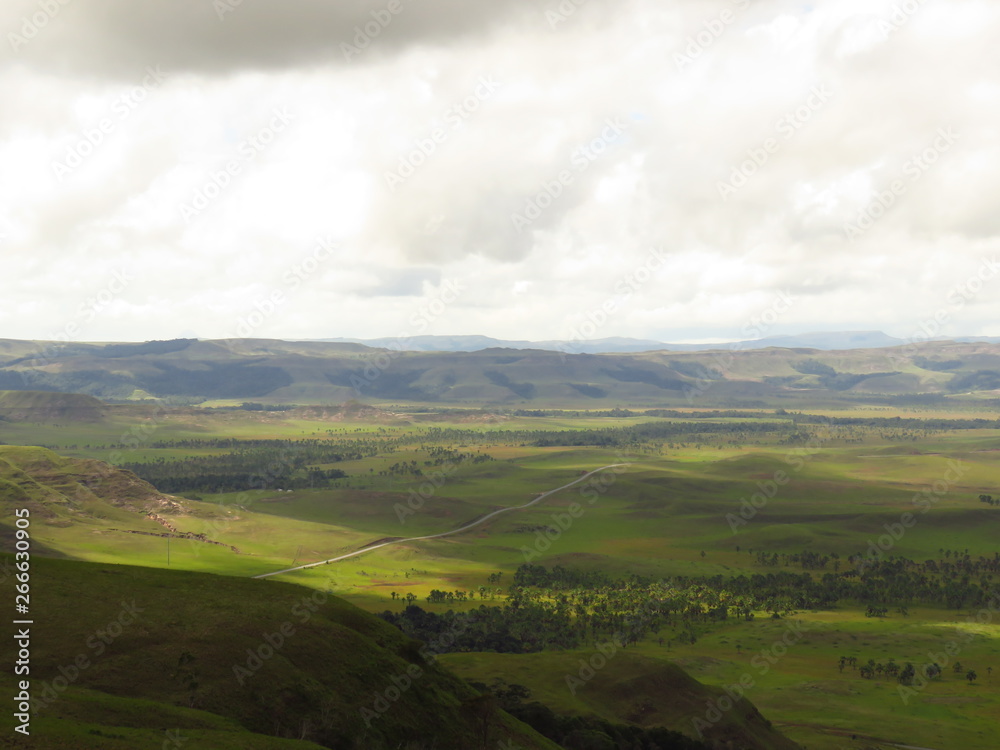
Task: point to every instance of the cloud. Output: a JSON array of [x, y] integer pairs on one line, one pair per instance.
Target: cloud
[[114, 38], [534, 152]]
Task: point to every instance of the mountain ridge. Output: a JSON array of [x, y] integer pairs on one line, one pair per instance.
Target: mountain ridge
[[231, 371]]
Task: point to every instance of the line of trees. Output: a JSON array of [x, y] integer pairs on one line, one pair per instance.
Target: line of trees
[[905, 675], [565, 608]]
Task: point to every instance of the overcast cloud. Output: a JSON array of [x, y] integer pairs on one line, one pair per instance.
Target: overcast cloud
[[509, 168]]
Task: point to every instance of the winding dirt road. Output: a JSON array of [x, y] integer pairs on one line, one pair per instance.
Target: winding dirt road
[[460, 529]]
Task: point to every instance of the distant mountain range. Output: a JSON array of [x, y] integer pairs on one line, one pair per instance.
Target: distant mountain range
[[267, 371], [826, 341]]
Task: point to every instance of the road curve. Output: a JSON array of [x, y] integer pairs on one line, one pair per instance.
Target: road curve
[[468, 526]]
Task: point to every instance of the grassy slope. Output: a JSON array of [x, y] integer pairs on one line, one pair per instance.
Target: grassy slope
[[192, 628], [629, 688]]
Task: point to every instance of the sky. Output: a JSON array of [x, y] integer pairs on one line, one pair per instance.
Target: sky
[[677, 171]]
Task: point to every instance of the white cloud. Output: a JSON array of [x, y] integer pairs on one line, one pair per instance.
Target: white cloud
[[475, 154]]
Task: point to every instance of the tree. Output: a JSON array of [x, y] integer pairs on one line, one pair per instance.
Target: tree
[[892, 669], [971, 676], [907, 675]]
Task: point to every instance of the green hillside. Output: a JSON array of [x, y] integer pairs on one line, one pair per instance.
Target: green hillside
[[62, 491], [629, 688], [122, 656]]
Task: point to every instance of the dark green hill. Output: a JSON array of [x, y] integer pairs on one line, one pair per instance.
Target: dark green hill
[[46, 406], [630, 688], [120, 656]]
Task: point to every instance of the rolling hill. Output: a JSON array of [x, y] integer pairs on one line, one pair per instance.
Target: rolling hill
[[231, 662], [135, 658], [281, 372]]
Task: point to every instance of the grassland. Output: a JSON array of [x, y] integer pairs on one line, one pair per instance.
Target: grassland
[[670, 513]]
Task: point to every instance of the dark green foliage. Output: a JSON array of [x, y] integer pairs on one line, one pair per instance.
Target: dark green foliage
[[524, 390], [643, 375], [980, 380], [213, 380], [831, 379], [582, 733], [590, 391], [937, 365], [382, 383], [251, 465], [812, 367], [695, 370], [566, 608]]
